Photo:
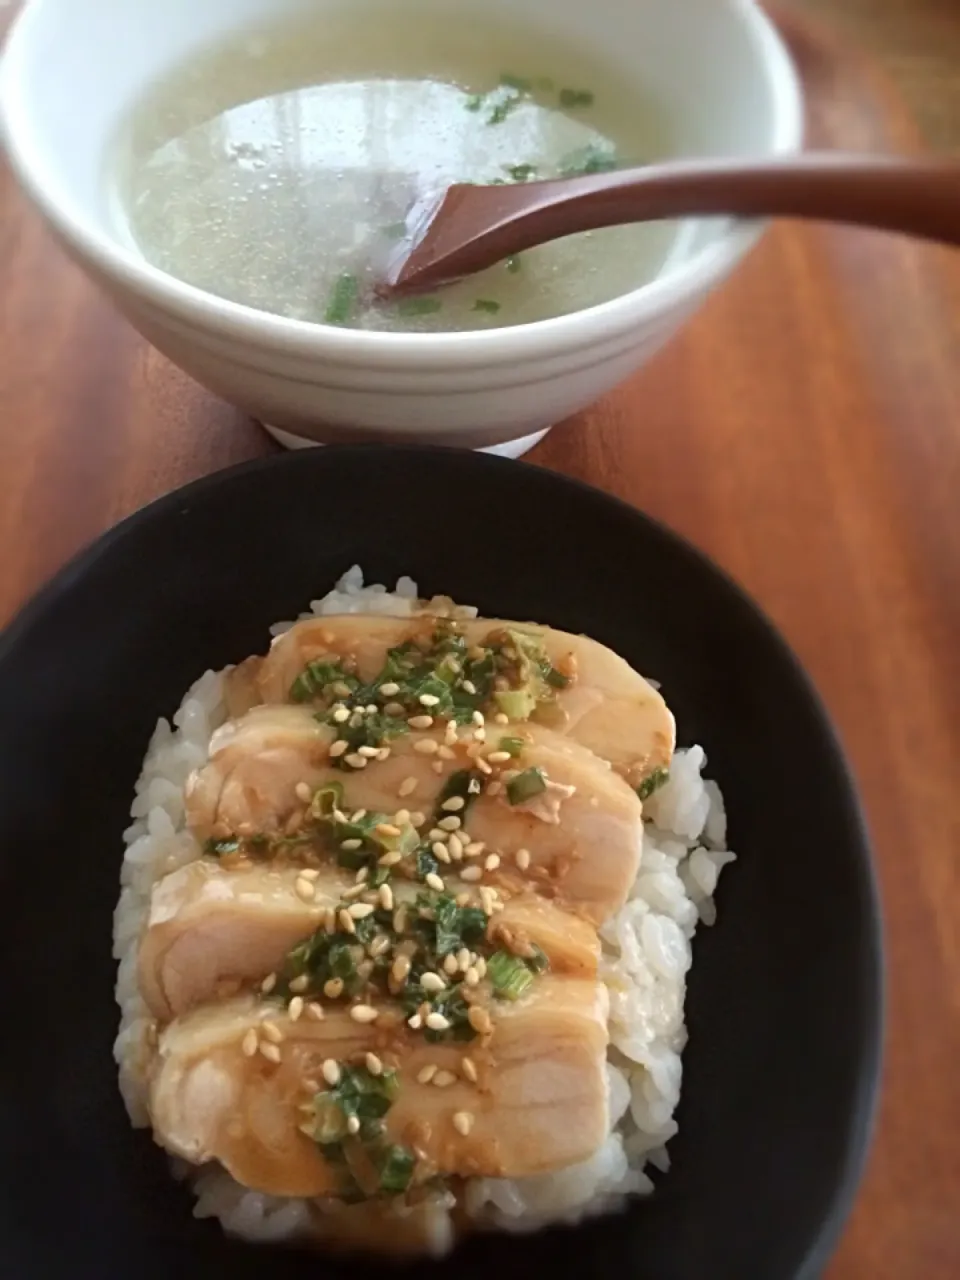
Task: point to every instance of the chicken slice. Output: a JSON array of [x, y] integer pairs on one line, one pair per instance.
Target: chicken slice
[[580, 841], [539, 1102], [607, 706], [211, 928]]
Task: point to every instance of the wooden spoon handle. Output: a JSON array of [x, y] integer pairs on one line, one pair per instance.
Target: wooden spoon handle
[[475, 227]]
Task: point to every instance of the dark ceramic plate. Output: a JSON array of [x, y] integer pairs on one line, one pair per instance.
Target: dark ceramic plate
[[784, 997]]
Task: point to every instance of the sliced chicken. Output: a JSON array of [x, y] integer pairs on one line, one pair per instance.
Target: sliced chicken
[[539, 1102], [211, 928], [607, 706], [578, 841]]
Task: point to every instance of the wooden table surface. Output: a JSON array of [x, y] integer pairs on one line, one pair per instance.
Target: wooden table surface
[[805, 431]]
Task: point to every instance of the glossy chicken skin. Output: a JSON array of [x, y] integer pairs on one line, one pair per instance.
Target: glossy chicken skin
[[539, 1102], [607, 707], [583, 835], [210, 928]]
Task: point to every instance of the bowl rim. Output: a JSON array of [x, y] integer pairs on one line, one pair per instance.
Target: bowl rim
[[862, 1118], [358, 348]]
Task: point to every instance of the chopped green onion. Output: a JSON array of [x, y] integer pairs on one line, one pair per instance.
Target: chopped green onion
[[545, 84], [526, 785], [418, 306], [325, 800], [513, 746], [396, 1169], [342, 300], [538, 962], [521, 172], [588, 159], [576, 98], [474, 102], [504, 107], [513, 263], [330, 1123], [220, 848], [653, 782], [520, 83], [508, 975], [517, 704], [556, 679], [486, 304]]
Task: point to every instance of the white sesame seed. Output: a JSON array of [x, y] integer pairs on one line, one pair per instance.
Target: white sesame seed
[[483, 766], [303, 792], [299, 984], [354, 891], [420, 722], [431, 981], [471, 873], [370, 753], [340, 715], [400, 918], [415, 1022], [443, 753], [330, 1071], [355, 761], [491, 862], [450, 965], [383, 753], [450, 733], [386, 829], [426, 1074], [270, 1051], [474, 849], [249, 1043], [428, 700], [449, 824], [454, 804], [425, 747], [400, 968], [333, 988], [341, 690], [272, 1032], [443, 1079], [269, 982], [479, 1019], [494, 788], [330, 920], [501, 718], [407, 787], [353, 1125], [481, 966], [440, 851], [385, 897], [345, 921], [309, 873], [455, 847], [479, 735], [371, 708], [394, 708], [339, 747], [305, 889], [463, 957], [363, 1013], [499, 757], [401, 817], [295, 1008], [390, 859], [417, 819], [434, 881], [471, 977], [468, 1070], [469, 687], [390, 689], [478, 719], [315, 1011], [380, 943], [360, 910], [463, 1122], [437, 1022], [361, 875], [522, 859], [351, 844]]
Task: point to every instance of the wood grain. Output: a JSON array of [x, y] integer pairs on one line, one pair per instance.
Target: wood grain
[[805, 431]]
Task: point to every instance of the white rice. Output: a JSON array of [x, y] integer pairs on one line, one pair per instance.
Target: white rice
[[646, 955]]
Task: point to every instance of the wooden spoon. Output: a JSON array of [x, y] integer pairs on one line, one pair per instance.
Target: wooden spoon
[[469, 227]]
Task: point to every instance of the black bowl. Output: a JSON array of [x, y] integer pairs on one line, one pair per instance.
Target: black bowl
[[784, 997]]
